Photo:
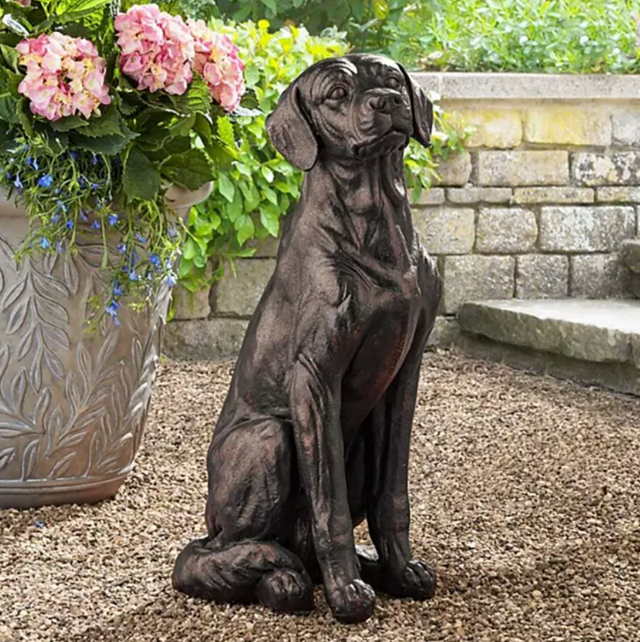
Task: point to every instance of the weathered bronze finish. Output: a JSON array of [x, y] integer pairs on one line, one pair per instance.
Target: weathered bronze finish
[[314, 434]]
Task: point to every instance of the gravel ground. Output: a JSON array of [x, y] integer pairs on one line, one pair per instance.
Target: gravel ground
[[525, 496]]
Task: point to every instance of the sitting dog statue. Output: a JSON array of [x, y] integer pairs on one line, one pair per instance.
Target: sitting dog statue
[[314, 434]]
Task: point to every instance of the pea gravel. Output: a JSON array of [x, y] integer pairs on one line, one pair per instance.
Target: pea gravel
[[525, 496]]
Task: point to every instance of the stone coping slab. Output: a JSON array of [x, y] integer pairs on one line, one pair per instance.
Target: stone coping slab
[[605, 331], [517, 86]]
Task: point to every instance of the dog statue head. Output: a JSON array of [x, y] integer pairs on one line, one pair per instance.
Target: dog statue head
[[352, 108]]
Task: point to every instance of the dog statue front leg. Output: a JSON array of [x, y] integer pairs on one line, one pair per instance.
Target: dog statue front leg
[[315, 409], [391, 568]]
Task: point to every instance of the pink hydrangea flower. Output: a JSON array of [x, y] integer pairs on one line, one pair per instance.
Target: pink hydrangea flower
[[65, 76], [157, 49], [218, 63]]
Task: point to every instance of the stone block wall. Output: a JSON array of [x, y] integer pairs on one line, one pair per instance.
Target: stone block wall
[[537, 206]]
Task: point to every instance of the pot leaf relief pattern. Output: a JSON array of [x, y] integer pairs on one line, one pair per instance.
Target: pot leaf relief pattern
[[72, 404]]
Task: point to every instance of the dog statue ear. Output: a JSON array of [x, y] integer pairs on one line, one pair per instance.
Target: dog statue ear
[[290, 131], [422, 109]]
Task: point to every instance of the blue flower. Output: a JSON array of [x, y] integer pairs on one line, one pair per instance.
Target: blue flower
[[60, 206], [70, 224], [55, 218], [141, 238], [112, 311], [172, 280], [18, 183], [44, 243], [112, 308], [155, 260], [122, 248], [117, 289], [96, 225], [83, 216], [73, 155], [45, 181], [39, 524], [33, 162], [173, 232], [59, 247], [112, 219], [133, 276], [82, 182], [94, 160]]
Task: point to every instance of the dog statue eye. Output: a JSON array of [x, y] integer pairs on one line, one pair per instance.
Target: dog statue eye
[[392, 82], [337, 93]]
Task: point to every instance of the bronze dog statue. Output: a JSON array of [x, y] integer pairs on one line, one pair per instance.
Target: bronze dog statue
[[314, 434]]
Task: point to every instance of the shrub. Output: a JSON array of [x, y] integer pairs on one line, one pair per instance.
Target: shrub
[[362, 20], [575, 36]]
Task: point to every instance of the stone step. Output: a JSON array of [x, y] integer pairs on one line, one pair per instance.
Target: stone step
[[593, 341]]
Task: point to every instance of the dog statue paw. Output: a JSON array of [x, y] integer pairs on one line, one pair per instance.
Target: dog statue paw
[[315, 432]]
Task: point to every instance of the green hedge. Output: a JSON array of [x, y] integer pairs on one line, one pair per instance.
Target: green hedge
[[575, 36]]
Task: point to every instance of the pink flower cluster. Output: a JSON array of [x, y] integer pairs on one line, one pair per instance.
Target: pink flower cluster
[[160, 51], [218, 63], [65, 76], [157, 49]]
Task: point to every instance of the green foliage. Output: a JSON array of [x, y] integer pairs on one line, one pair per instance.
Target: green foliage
[[254, 192], [363, 21], [574, 36]]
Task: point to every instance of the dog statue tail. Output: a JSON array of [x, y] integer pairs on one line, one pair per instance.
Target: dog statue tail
[[244, 572]]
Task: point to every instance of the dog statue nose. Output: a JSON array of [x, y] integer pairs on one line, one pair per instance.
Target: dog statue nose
[[385, 102]]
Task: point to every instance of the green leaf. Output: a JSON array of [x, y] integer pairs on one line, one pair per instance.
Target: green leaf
[[127, 106], [271, 4], [74, 10], [197, 98], [270, 219], [381, 9], [189, 249], [251, 75], [245, 228], [141, 178], [190, 169], [9, 109], [6, 140], [25, 117], [225, 131], [204, 128], [183, 126], [171, 147], [109, 123], [226, 187], [69, 123], [107, 145], [10, 56]]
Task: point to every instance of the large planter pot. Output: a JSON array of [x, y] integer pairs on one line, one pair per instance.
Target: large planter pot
[[73, 403]]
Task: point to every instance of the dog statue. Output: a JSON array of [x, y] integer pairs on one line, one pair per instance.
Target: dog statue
[[314, 434]]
